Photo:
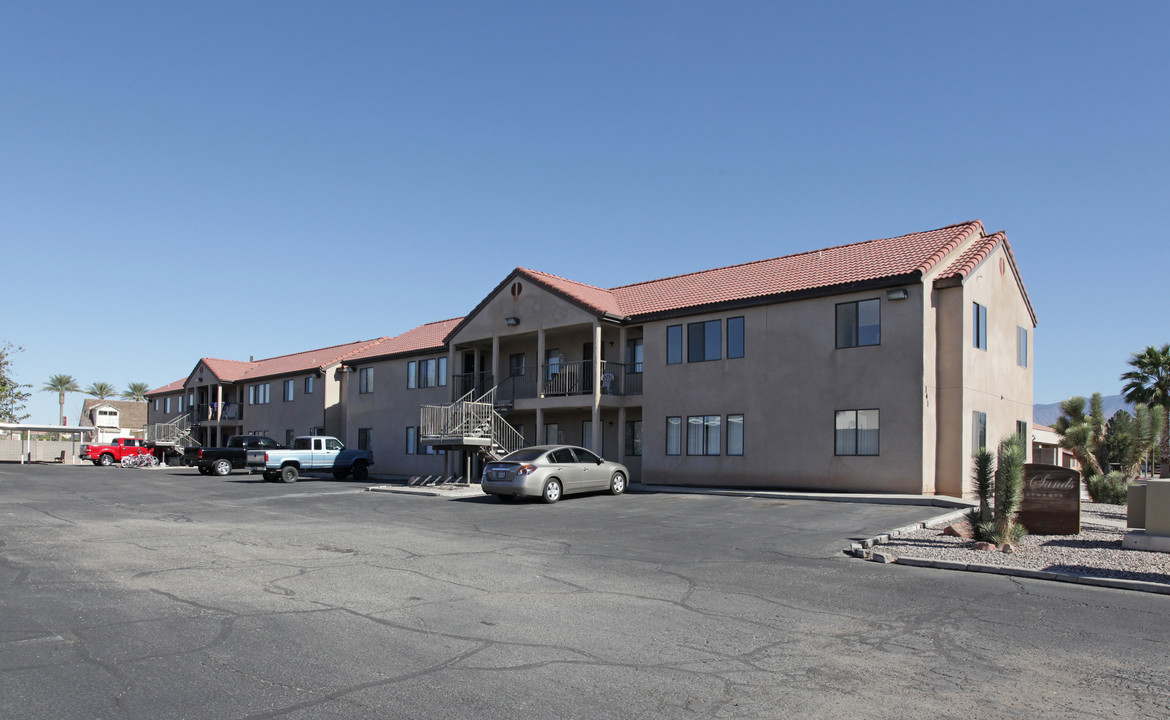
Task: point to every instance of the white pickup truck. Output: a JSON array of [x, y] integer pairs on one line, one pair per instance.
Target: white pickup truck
[[312, 453]]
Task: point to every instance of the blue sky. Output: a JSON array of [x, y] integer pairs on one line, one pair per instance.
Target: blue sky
[[235, 179]]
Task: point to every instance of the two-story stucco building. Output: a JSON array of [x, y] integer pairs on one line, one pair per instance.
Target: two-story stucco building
[[874, 366]]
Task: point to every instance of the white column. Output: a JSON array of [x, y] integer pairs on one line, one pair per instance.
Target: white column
[[597, 386]]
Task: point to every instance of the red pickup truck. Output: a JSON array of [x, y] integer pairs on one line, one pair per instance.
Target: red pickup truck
[[115, 451]]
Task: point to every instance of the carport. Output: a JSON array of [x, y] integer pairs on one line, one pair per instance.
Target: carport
[[76, 431]]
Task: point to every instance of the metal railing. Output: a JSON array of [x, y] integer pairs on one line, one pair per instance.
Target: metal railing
[[468, 418], [176, 431], [570, 378], [475, 383]]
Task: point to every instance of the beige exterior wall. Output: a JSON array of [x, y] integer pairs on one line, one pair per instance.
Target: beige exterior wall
[[178, 406], [971, 379], [388, 411], [300, 415], [789, 386]]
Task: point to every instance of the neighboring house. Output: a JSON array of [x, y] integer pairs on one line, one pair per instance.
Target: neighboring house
[[113, 419], [1046, 448], [285, 396]]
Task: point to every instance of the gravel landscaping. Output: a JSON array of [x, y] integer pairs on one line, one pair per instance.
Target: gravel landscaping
[[1096, 552]]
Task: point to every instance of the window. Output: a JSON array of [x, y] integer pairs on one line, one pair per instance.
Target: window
[[703, 435], [443, 371], [288, 390], [333, 444], [166, 405], [258, 394], [288, 436], [634, 354], [180, 403], [366, 380], [156, 404], [552, 359], [412, 374], [191, 400], [1022, 347], [586, 457], [428, 373], [365, 438], [552, 434], [517, 365], [634, 438], [978, 431], [674, 344], [859, 323], [979, 325], [309, 385], [411, 440], [703, 341], [1022, 431], [674, 436], [316, 431], [735, 434], [857, 432], [734, 337]]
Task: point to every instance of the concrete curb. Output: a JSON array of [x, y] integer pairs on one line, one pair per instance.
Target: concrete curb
[[869, 549], [453, 493], [870, 498]]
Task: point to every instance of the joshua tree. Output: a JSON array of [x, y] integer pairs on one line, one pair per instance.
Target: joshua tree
[[1149, 383], [1009, 490], [980, 518], [1082, 434], [136, 392], [101, 390], [61, 384]]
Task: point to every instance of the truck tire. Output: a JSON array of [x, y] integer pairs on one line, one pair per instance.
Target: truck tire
[[106, 459], [221, 467], [289, 473], [361, 472]]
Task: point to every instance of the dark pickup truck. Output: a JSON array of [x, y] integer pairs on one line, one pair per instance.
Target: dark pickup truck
[[234, 455]]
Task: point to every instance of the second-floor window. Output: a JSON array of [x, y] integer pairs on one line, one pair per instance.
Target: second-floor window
[[979, 326], [167, 405], [288, 390], [365, 380], [859, 323], [427, 373], [517, 365], [674, 344], [258, 394], [309, 385], [704, 341], [634, 354], [1022, 347], [734, 337]]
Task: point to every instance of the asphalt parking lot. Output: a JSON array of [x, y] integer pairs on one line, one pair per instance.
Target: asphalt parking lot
[[167, 594]]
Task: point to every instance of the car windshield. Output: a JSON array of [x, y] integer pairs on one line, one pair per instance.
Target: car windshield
[[525, 455]]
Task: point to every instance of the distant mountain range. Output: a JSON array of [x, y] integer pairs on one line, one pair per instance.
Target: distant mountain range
[[1047, 414]]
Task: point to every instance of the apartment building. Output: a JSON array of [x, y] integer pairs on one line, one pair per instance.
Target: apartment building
[[874, 366]]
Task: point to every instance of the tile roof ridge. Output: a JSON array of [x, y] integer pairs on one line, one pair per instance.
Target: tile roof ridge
[[563, 279], [793, 255], [305, 352]]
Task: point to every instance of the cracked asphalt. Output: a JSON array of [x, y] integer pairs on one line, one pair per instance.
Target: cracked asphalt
[[168, 594]]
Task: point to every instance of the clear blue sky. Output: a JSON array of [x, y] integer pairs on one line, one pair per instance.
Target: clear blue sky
[[232, 179]]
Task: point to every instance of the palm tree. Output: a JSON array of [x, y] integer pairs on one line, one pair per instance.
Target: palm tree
[[101, 390], [136, 392], [1149, 383], [61, 384]]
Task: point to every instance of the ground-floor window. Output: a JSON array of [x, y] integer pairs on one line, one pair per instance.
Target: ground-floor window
[[288, 436], [703, 435], [365, 438], [674, 436], [411, 440], [978, 431], [857, 432], [735, 434]]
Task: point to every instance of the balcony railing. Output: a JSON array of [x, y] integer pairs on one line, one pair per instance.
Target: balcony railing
[[571, 378], [231, 411], [475, 383]]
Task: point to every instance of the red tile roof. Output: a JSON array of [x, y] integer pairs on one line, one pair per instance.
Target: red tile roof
[[420, 339], [319, 359], [916, 253], [175, 386]]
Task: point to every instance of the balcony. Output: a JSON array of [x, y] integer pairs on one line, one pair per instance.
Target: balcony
[[205, 413], [572, 378]]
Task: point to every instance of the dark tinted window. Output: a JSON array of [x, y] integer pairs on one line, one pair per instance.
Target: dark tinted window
[[585, 456], [561, 456], [302, 443], [525, 455]]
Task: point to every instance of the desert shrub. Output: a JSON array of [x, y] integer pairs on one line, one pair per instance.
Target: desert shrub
[[1111, 489]]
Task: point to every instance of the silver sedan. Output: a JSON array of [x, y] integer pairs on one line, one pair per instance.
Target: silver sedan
[[550, 471]]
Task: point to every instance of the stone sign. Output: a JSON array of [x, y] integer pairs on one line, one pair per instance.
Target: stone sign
[[1051, 504]]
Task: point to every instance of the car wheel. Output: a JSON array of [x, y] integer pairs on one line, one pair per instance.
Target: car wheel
[[289, 473], [361, 472], [617, 483], [106, 460], [221, 467], [552, 491]]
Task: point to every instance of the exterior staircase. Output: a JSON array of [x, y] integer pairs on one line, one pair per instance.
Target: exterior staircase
[[175, 433], [470, 422]]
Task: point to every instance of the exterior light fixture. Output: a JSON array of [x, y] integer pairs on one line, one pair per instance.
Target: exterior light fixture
[[512, 321], [898, 294]]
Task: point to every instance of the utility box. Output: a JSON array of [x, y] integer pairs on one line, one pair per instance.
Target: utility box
[[1135, 512]]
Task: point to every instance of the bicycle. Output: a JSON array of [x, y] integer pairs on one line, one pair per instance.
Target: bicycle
[[147, 460]]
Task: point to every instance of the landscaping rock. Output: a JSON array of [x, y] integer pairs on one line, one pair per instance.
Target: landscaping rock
[[985, 546], [960, 530]]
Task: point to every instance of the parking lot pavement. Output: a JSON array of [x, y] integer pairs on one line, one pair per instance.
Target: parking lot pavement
[[138, 593]]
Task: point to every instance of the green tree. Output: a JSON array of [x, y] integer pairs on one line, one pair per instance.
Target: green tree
[[1009, 490], [1148, 383], [61, 384], [101, 390], [983, 467], [136, 392], [1083, 435], [1120, 436], [12, 394]]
